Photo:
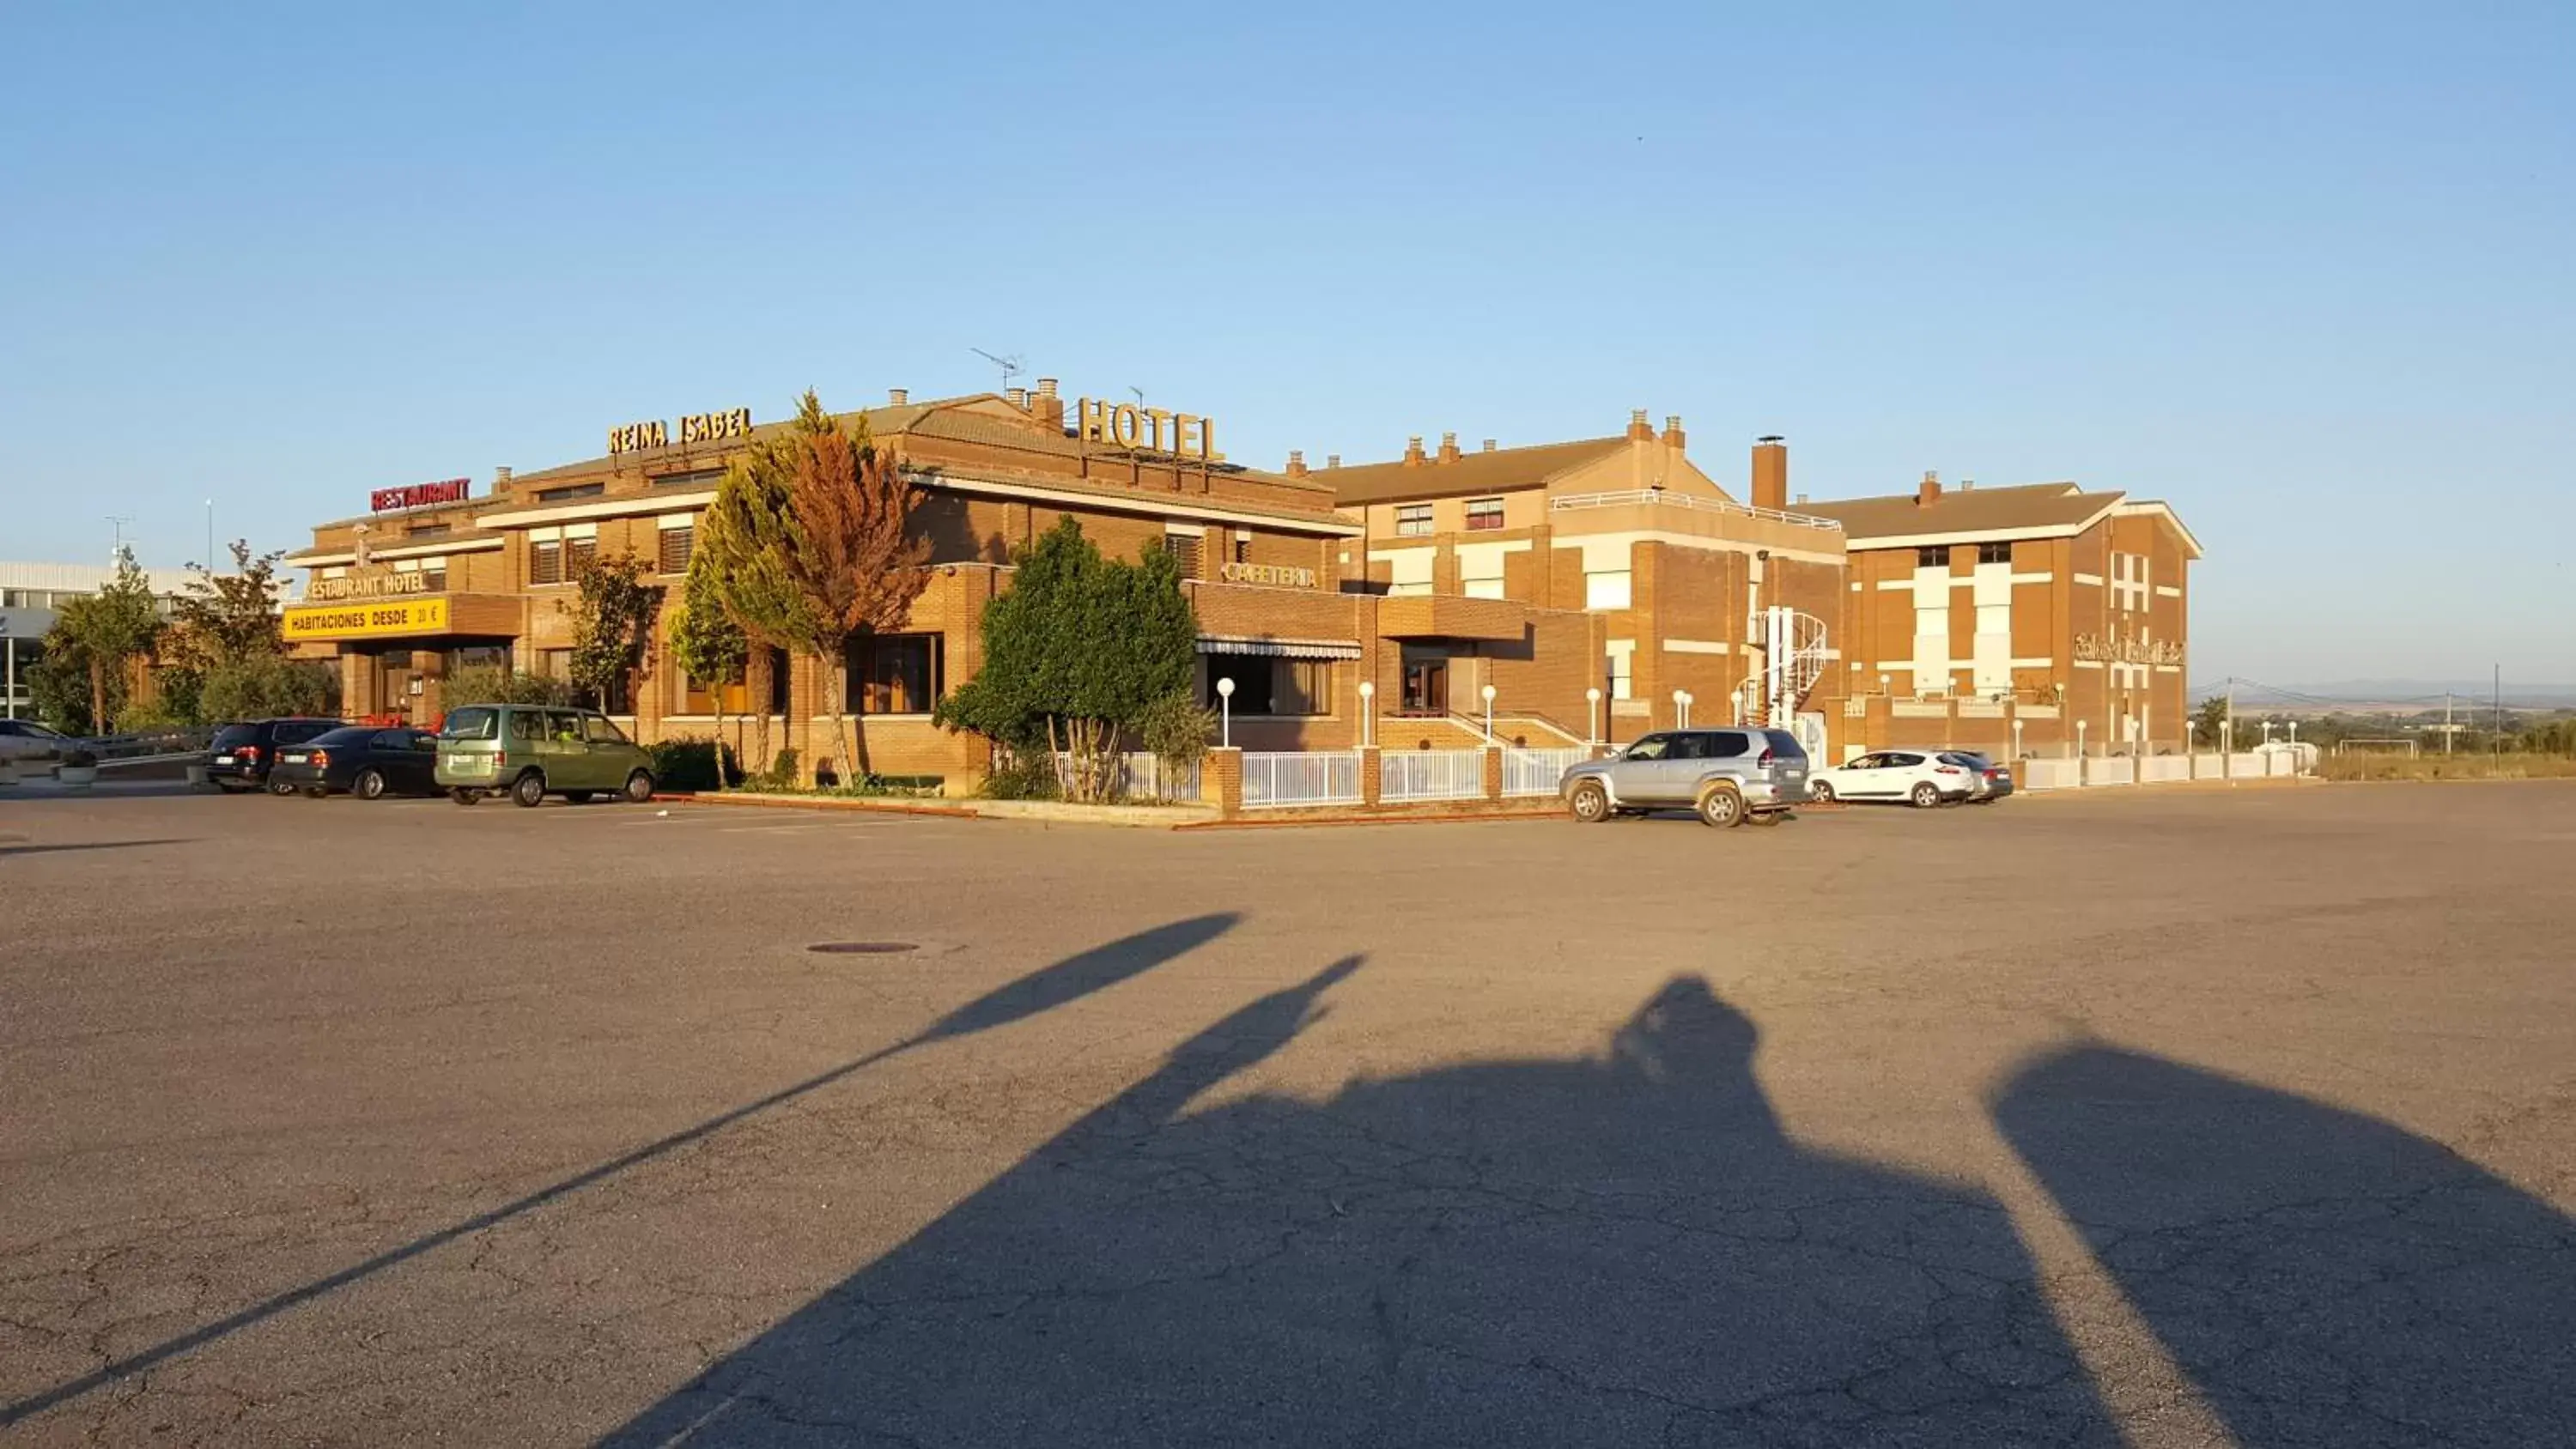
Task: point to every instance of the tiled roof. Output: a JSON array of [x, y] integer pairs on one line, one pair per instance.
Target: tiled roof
[[1479, 472], [1966, 510]]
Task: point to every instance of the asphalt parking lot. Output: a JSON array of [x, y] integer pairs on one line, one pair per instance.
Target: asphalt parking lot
[[2202, 1117]]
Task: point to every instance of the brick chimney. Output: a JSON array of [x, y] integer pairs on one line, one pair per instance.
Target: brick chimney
[[1929, 491], [1048, 407], [1413, 451], [898, 396], [1489, 445], [500, 479], [1770, 471], [1673, 431], [1019, 398], [1639, 430], [1332, 460], [1296, 463], [1449, 448]]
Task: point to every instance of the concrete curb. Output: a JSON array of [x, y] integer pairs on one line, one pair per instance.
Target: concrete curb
[[1299, 822], [819, 802]]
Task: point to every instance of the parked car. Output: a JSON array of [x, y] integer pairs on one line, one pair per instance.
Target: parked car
[[362, 760], [1919, 777], [1988, 781], [532, 751], [1728, 776], [242, 754], [25, 742]]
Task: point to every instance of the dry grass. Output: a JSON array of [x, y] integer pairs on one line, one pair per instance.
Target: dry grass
[[2478, 766]]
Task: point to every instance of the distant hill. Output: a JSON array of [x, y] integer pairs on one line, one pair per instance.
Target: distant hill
[[2395, 695]]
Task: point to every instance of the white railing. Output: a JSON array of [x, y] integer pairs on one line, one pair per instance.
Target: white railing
[[2159, 769], [1666, 499], [1431, 775], [2051, 774], [1144, 775], [1535, 772], [1278, 779]]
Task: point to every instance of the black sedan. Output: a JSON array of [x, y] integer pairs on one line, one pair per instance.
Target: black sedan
[[368, 761]]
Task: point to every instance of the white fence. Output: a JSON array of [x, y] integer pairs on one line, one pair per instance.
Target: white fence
[[2157, 769], [1535, 772], [1431, 775], [2068, 774], [1144, 775], [1282, 778]]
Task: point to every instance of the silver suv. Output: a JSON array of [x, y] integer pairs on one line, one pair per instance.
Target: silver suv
[[1728, 776]]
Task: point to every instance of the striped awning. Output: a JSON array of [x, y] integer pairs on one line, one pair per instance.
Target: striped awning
[[1279, 648]]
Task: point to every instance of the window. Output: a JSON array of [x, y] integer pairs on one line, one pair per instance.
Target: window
[[395, 659], [598, 731], [779, 679], [571, 491], [581, 545], [1994, 553], [676, 544], [1606, 590], [1652, 747], [478, 723], [428, 530], [1184, 548], [732, 696], [694, 478], [526, 725], [433, 574], [1413, 520], [1623, 664], [545, 557], [894, 673], [1480, 570], [1935, 557], [477, 656], [1268, 686], [1483, 513], [563, 726], [1242, 547], [1784, 744], [1727, 745], [390, 740]]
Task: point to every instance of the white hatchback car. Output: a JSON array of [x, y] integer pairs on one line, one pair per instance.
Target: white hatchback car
[[25, 742], [1918, 777]]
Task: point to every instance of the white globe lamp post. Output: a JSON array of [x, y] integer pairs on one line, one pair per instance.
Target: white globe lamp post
[[1225, 711], [1368, 712], [1489, 714], [1592, 714]]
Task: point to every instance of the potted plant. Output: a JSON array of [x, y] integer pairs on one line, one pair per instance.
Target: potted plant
[[78, 769]]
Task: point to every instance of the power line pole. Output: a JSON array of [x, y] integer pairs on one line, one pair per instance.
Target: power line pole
[[2446, 721], [2499, 713]]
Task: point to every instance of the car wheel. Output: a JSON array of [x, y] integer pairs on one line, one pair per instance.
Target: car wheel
[[1926, 795], [1590, 803], [280, 788], [463, 796], [639, 788], [1822, 792], [1721, 806], [370, 785], [529, 790]]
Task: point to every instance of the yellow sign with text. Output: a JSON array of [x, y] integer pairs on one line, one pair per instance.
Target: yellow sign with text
[[366, 621]]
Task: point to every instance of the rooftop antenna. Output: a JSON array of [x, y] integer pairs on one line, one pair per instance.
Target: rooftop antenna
[[1140, 398], [1011, 366], [118, 521]]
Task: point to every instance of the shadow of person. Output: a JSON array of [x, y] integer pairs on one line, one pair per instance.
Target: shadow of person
[[1615, 1250], [2326, 1278]]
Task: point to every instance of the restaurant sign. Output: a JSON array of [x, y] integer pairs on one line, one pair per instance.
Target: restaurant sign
[[419, 495], [695, 428], [367, 586], [366, 621], [1283, 576], [1146, 430]]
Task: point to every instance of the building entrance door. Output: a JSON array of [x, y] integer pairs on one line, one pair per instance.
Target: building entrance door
[[1426, 686], [395, 670]]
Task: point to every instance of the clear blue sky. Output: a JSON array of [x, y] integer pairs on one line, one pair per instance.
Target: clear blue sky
[[2306, 271]]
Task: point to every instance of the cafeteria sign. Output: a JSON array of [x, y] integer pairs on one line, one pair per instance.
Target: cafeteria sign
[[366, 621]]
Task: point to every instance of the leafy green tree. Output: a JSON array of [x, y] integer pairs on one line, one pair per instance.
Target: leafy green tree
[[2209, 722], [58, 684], [113, 631], [1079, 651], [706, 644], [260, 686], [483, 684], [229, 616], [613, 610], [739, 557], [855, 565]]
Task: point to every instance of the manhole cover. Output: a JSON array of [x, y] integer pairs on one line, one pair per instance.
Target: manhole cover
[[861, 948]]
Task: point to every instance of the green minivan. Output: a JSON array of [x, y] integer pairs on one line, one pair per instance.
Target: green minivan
[[532, 751]]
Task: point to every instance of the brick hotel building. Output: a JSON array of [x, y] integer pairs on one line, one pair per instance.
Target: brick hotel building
[[1612, 563]]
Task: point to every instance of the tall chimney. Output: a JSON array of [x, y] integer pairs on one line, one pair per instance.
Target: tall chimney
[[1332, 460], [1673, 431], [1019, 398], [1639, 430], [1770, 471], [1413, 451], [1930, 492], [500, 479], [1489, 445], [898, 396], [1448, 447], [1049, 407], [1296, 463]]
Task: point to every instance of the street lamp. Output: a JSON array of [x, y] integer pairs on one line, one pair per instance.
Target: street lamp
[[1681, 709], [1489, 713], [2017, 739], [1225, 710], [1368, 712], [1592, 714]]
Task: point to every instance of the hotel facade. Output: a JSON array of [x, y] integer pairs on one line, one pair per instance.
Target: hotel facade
[[1599, 588]]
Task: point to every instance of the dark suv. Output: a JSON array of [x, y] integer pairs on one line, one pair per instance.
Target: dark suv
[[243, 753], [1727, 776]]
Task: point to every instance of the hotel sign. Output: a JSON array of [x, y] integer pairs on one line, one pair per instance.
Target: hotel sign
[[419, 495], [1146, 430], [695, 428], [366, 621], [1278, 575], [367, 586]]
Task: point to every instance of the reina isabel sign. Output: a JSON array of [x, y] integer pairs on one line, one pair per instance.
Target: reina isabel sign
[[695, 428]]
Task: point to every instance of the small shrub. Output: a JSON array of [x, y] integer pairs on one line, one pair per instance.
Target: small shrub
[[781, 774], [1024, 775], [689, 763]]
